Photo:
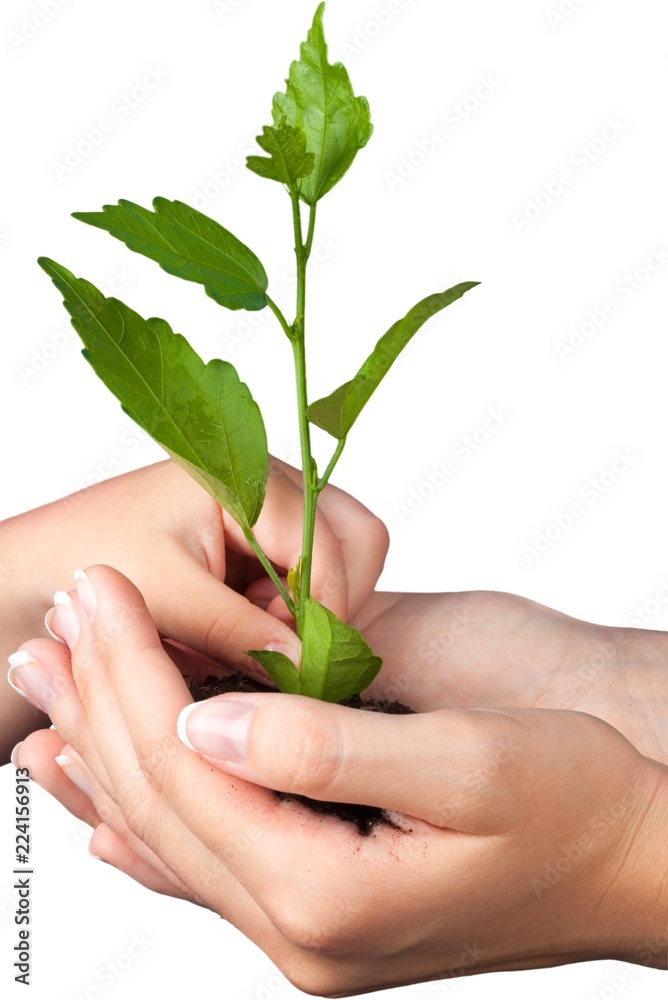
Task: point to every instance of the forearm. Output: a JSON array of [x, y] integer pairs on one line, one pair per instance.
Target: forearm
[[20, 618]]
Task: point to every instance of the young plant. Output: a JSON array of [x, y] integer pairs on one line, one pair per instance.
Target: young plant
[[202, 414]]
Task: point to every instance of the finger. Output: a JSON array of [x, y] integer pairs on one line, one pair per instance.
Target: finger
[[42, 670], [362, 537], [56, 768], [49, 677], [80, 776], [204, 614], [279, 532], [108, 846], [132, 693], [38, 752], [433, 765]]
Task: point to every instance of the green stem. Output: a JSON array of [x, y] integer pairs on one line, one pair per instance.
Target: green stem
[[311, 230], [255, 545], [287, 329], [309, 471], [330, 468]]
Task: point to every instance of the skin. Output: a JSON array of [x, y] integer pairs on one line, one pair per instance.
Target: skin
[[529, 836], [191, 561]]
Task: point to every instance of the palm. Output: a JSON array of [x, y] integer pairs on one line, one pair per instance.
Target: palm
[[492, 650]]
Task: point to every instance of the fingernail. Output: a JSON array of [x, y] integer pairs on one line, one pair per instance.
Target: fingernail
[[86, 593], [68, 619], [292, 651], [35, 683], [15, 754], [48, 618], [258, 673], [217, 728], [77, 774], [94, 855]]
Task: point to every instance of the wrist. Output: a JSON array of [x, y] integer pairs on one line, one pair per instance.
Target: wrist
[[643, 663], [637, 899], [21, 615]]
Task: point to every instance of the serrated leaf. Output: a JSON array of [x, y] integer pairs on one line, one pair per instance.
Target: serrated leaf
[[320, 100], [190, 245], [288, 161], [336, 661], [337, 412], [280, 668], [203, 415]]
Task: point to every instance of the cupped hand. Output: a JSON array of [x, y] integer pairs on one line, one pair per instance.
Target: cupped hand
[[203, 585], [488, 650], [523, 838]]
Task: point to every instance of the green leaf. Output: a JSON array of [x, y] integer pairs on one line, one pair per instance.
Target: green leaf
[[288, 162], [190, 245], [280, 668], [203, 415], [336, 661], [319, 99], [337, 412]]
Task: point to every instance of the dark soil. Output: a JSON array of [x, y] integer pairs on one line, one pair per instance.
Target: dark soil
[[361, 816]]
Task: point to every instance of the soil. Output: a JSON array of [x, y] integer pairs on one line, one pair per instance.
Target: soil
[[365, 818]]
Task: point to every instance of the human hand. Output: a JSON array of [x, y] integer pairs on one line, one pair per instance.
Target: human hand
[[163, 531], [525, 838], [488, 650]]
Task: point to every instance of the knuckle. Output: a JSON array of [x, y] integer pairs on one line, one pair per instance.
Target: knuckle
[[493, 755], [309, 755], [313, 977], [377, 534], [330, 927], [134, 802], [223, 634], [156, 758], [79, 737], [297, 920]]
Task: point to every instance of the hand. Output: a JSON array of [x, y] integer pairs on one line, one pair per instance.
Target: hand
[[164, 532], [526, 838], [487, 650]]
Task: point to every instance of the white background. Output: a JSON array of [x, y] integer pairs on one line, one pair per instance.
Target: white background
[[553, 82]]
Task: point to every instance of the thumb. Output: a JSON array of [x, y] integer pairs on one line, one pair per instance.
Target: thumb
[[449, 768], [206, 615]]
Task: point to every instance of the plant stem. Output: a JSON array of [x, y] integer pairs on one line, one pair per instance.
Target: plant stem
[[311, 230], [287, 329], [255, 545], [309, 471], [330, 468]]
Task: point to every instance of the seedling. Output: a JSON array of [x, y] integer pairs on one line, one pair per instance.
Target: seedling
[[202, 414]]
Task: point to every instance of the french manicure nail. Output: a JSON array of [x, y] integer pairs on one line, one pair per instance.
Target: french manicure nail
[[48, 618], [76, 773], [68, 619], [15, 754], [293, 652], [86, 593], [35, 683], [217, 728]]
